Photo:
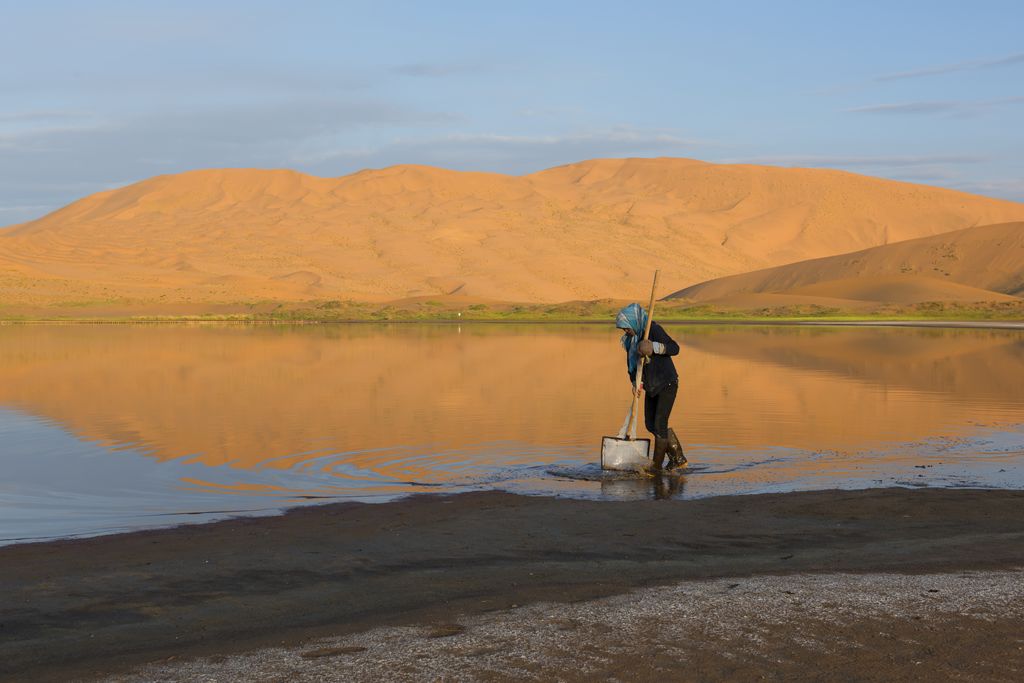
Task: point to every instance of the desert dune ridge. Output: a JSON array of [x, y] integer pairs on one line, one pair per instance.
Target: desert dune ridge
[[979, 264], [584, 231]]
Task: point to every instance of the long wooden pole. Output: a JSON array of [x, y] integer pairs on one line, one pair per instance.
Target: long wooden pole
[[643, 359]]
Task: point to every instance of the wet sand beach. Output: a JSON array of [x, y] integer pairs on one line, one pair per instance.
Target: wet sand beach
[[92, 608], [850, 627]]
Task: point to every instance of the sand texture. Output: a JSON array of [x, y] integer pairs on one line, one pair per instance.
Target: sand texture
[[594, 229], [850, 627], [98, 606], [984, 263]]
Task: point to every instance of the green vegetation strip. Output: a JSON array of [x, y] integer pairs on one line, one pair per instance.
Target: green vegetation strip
[[578, 311]]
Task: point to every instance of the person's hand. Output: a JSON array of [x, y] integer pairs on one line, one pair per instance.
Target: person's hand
[[645, 347]]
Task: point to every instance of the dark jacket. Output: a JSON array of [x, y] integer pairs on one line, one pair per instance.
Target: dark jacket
[[660, 371]]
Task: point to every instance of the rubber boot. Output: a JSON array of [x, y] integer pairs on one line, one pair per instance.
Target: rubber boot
[[660, 449], [676, 457]]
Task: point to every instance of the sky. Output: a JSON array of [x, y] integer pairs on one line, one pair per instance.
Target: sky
[[98, 94]]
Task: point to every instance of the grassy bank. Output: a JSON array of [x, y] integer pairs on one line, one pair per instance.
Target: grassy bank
[[585, 311], [451, 309]]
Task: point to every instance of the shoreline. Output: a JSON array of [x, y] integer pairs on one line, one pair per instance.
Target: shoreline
[[817, 322], [97, 606]]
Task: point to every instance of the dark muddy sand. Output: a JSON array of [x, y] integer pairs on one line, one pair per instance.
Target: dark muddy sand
[[883, 584]]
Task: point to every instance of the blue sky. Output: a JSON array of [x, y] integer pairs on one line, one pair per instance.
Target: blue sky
[[99, 94]]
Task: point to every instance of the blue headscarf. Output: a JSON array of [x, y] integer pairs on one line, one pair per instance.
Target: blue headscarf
[[634, 318]]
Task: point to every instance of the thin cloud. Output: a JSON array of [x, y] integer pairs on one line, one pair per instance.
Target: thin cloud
[[1012, 189], [621, 135], [40, 116], [936, 107], [254, 126], [908, 108], [24, 208], [551, 112], [863, 161], [192, 82], [971, 65], [434, 70]]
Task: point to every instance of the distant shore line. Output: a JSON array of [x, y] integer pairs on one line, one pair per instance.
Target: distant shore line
[[769, 322], [454, 310]]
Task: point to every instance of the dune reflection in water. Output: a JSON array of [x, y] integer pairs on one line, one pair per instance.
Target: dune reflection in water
[[281, 415]]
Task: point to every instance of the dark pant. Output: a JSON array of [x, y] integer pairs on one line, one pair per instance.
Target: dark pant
[[658, 408]]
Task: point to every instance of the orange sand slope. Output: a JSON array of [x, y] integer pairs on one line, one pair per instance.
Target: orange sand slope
[[975, 264], [594, 229]]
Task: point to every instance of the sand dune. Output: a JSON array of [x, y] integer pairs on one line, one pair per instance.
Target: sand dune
[[594, 229], [899, 289], [984, 263]]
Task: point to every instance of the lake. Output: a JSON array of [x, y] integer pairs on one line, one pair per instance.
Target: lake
[[107, 428]]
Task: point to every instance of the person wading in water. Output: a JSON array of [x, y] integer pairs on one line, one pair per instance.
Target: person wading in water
[[660, 381]]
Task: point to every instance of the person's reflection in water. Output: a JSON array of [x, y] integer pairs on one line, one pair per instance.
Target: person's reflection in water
[[666, 486], [659, 487]]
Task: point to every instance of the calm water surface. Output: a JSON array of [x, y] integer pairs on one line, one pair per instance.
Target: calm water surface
[[107, 428]]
